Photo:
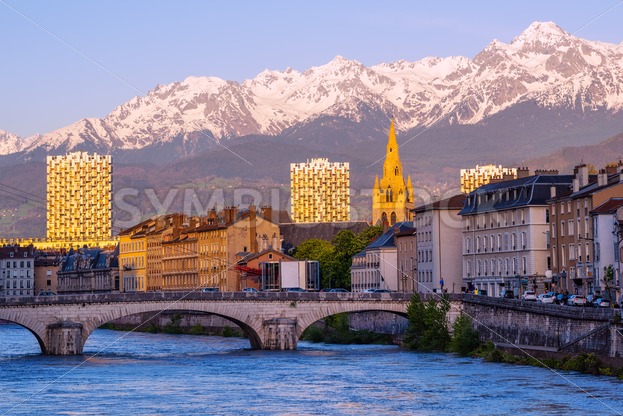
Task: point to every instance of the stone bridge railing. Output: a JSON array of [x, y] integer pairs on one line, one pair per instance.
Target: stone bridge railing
[[271, 320]]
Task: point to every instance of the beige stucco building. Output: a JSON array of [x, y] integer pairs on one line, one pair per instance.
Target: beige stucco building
[[505, 233], [438, 231]]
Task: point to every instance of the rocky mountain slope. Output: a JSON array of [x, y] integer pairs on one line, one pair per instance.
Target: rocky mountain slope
[[544, 65]]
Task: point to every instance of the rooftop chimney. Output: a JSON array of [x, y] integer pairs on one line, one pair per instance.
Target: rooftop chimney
[[602, 178], [523, 172]]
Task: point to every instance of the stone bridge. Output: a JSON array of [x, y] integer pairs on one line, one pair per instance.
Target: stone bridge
[[271, 321]]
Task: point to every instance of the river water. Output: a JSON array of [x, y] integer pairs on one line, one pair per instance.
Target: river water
[[153, 374]]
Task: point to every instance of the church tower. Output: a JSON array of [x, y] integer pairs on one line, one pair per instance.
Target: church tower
[[392, 196]]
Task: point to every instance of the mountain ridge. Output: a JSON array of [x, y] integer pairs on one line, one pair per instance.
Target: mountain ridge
[[543, 64]]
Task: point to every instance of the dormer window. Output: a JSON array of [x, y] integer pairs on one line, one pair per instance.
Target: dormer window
[[11, 254]]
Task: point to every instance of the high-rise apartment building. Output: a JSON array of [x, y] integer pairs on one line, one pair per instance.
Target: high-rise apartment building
[[481, 175], [79, 197], [320, 191]]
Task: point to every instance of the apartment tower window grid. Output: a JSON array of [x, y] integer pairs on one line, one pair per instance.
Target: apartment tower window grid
[[79, 197], [320, 191]]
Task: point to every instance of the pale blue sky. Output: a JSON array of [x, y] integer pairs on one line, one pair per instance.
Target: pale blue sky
[[45, 84]]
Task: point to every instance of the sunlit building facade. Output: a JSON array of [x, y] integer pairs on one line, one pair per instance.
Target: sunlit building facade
[[79, 197], [320, 191], [481, 175]]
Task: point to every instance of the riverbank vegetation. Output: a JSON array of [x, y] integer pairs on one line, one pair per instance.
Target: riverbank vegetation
[[336, 331], [428, 331]]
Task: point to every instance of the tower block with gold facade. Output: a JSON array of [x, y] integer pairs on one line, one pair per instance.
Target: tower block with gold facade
[[392, 196]]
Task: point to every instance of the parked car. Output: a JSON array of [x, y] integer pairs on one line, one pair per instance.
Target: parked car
[[570, 299], [294, 289], [210, 289], [368, 290], [591, 299], [579, 300], [382, 291], [602, 303], [529, 295], [339, 290], [507, 294], [250, 289], [545, 298]]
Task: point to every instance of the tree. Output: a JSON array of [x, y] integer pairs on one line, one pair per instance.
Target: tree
[[609, 280], [369, 235], [428, 324], [464, 336]]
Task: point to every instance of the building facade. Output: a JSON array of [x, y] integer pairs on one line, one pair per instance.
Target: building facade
[[320, 191], [505, 234], [17, 271], [406, 246], [88, 270], [481, 175], [607, 221], [376, 267], [79, 197], [574, 245], [438, 260], [392, 196], [47, 265]]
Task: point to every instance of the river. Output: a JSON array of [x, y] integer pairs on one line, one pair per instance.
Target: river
[[153, 374]]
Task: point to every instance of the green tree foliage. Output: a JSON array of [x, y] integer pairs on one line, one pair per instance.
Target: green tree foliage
[[335, 258], [464, 336], [320, 250], [428, 324], [609, 280], [370, 234]]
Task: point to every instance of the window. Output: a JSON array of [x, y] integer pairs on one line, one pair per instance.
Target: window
[[571, 251], [547, 216], [554, 258], [524, 241], [562, 228], [570, 230], [564, 255], [524, 265]]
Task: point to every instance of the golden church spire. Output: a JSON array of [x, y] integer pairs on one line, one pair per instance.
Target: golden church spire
[[392, 197]]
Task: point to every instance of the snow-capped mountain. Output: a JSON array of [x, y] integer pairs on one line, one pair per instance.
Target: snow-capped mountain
[[544, 64], [11, 143]]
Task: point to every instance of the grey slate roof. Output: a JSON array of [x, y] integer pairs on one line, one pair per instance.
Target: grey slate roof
[[387, 239], [532, 190]]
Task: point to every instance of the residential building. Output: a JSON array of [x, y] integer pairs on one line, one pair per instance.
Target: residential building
[[438, 260], [573, 243], [79, 197], [47, 265], [89, 270], [376, 266], [248, 266], [607, 220], [505, 233], [392, 196], [17, 271], [406, 245], [481, 175], [320, 191]]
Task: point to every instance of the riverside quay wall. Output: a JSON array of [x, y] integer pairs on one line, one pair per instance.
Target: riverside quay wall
[[546, 328]]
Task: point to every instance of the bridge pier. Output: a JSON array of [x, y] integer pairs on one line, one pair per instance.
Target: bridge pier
[[64, 338], [279, 334]]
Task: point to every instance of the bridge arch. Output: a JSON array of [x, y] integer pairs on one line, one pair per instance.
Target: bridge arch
[[25, 321], [306, 320], [234, 316]]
